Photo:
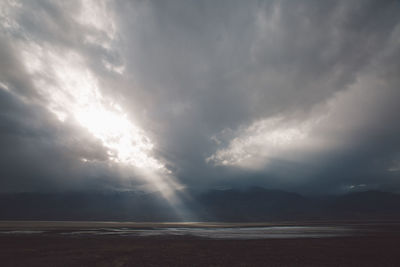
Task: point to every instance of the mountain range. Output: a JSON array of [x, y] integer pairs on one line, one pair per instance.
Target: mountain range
[[254, 204]]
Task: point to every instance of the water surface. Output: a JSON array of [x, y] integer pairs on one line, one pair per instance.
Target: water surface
[[201, 230]]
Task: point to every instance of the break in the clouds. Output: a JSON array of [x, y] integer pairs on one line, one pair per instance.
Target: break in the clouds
[[168, 95]]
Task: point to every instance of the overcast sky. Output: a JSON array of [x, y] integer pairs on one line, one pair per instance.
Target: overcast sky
[[170, 95]]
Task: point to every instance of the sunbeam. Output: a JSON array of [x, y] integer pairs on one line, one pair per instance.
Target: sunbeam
[[73, 93]]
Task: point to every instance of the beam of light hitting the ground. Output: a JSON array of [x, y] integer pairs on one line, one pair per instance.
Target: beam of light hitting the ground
[[72, 92]]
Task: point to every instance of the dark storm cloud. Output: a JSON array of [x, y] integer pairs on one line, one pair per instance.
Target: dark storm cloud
[[215, 66], [37, 152], [305, 91]]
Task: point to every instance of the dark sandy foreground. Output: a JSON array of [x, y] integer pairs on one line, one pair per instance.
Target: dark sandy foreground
[[52, 250]]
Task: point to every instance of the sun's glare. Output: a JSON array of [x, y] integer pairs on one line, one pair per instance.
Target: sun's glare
[[73, 93], [70, 89]]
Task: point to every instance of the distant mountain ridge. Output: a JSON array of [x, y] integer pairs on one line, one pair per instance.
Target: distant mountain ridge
[[247, 205], [259, 204]]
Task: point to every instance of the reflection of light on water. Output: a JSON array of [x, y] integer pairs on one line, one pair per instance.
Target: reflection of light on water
[[230, 233], [25, 232]]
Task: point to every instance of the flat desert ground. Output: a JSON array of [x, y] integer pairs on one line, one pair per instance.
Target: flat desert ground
[[69, 244]]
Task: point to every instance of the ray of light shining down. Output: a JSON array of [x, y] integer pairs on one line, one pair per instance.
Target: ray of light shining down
[[72, 93]]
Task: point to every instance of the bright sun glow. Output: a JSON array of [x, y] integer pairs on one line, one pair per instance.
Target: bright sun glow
[[73, 93]]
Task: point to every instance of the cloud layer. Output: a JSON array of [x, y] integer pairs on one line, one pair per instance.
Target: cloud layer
[[296, 95]]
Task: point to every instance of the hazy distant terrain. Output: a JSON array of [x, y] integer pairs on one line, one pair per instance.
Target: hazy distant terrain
[[250, 205]]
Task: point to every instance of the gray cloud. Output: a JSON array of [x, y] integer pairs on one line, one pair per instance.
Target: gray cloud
[[305, 92]]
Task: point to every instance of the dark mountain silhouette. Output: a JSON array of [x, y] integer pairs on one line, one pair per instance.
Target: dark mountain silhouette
[[259, 204], [255, 204], [246, 205], [362, 205], [84, 206]]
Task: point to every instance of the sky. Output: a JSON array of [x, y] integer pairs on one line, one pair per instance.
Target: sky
[[174, 96]]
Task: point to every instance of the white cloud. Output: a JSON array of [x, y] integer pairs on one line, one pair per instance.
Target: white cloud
[[253, 146]]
